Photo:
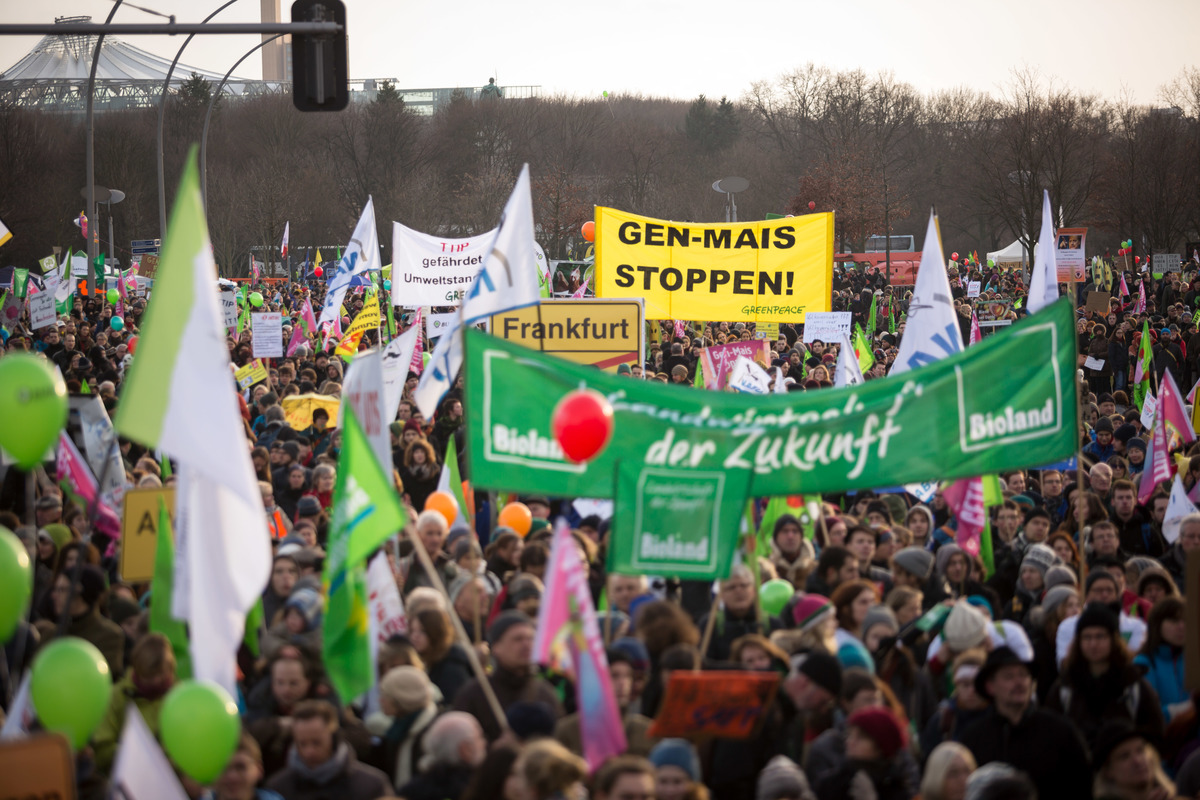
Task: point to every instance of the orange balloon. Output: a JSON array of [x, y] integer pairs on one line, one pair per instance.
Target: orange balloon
[[516, 516], [444, 503], [589, 231]]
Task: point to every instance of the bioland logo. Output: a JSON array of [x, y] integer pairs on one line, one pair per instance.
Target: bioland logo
[[528, 445], [1011, 409]]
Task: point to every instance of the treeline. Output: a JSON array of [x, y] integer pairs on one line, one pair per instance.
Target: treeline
[[870, 147]]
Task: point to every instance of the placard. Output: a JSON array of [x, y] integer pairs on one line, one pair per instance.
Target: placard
[[1098, 302], [747, 376], [717, 361], [826, 326], [1093, 363], [79, 265], [228, 302], [434, 271], [251, 374], [438, 324], [1069, 245], [266, 340], [39, 767], [1149, 406], [1166, 262], [770, 330], [48, 265], [973, 289], [723, 704], [139, 531], [41, 310]]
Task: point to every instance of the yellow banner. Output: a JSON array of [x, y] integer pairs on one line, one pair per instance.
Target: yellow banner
[[367, 319], [298, 409], [251, 374], [762, 271]]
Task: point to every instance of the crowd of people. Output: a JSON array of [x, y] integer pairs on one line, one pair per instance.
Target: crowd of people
[[907, 667]]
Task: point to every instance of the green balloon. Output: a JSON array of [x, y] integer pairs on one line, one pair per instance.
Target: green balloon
[[774, 594], [200, 728], [425, 360], [256, 299], [16, 582], [33, 407], [71, 687], [991, 263], [113, 296]]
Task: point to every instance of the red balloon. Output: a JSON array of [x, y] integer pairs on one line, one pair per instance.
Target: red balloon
[[589, 231], [811, 205], [1137, 259], [582, 424], [954, 256], [318, 271], [132, 344]]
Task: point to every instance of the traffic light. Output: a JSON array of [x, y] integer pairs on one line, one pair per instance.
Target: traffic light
[[320, 65]]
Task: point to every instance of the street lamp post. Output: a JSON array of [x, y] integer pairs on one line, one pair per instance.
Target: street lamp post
[[208, 117], [91, 132]]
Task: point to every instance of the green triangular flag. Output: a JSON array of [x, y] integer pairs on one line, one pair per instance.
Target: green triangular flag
[[451, 480], [84, 388], [366, 512], [871, 317], [993, 495], [20, 282], [862, 348], [161, 591], [699, 381], [391, 319], [166, 467]]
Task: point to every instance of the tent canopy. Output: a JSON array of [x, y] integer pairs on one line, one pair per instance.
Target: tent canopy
[[1013, 254]]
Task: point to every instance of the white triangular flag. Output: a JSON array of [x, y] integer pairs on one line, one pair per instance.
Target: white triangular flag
[[141, 770], [395, 361], [932, 331], [847, 372], [361, 256], [363, 392], [1178, 507], [1043, 282]]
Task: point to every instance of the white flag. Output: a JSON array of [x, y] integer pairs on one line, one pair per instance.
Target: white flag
[[361, 256], [66, 280], [395, 362], [1178, 507], [780, 386], [363, 391], [100, 442], [182, 374], [932, 331], [847, 372], [1043, 281], [142, 771], [508, 280], [747, 376], [287, 227], [386, 607]]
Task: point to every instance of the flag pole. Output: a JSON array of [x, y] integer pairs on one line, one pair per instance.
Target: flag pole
[[1079, 522]]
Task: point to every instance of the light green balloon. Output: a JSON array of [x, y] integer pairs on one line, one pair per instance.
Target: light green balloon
[[256, 299], [113, 296], [16, 582], [71, 687], [33, 407], [425, 360], [200, 728], [774, 594]]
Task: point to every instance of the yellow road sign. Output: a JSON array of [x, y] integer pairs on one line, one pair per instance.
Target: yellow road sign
[[603, 333]]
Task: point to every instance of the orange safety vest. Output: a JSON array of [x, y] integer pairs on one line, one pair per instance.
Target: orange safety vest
[[275, 523]]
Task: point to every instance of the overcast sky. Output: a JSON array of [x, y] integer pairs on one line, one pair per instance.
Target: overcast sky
[[682, 49]]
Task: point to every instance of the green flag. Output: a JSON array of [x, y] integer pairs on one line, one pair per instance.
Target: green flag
[[451, 479], [871, 316], [166, 467], [993, 495], [20, 282], [892, 318], [862, 349], [98, 269], [254, 621], [161, 591], [699, 380], [776, 507], [366, 512], [1141, 373], [391, 319], [543, 283], [84, 388]]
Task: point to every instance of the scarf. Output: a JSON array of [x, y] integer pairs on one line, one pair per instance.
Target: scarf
[[322, 774]]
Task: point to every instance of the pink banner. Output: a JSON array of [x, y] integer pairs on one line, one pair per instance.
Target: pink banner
[[965, 498], [718, 360]]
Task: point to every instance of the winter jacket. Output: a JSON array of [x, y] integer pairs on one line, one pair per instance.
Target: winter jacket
[[947, 725], [106, 737], [1164, 672], [350, 780], [727, 629], [510, 687], [398, 751], [827, 756], [442, 782], [450, 673], [1041, 743], [1088, 701], [877, 780]]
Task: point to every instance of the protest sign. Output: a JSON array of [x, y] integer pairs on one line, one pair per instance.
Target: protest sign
[[669, 522], [765, 271], [602, 333], [768, 330], [826, 326], [433, 271], [950, 419], [437, 324], [973, 289], [1149, 406], [79, 265], [41, 310], [747, 376], [266, 339], [251, 374], [387, 609], [228, 303], [40, 767], [723, 704], [717, 361], [48, 265], [1098, 302], [1166, 262], [1069, 260], [139, 531]]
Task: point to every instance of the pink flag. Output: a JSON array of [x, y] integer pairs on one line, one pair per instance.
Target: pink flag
[[418, 363], [1140, 308], [581, 292], [1158, 460], [718, 360], [965, 498], [680, 329], [568, 635], [1171, 408], [976, 333], [297, 339], [72, 469], [306, 316], [1124, 288]]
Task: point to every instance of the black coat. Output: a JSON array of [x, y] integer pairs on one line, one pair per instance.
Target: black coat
[[1042, 743]]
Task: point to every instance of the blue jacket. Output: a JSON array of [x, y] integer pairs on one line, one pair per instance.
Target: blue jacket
[[1165, 674]]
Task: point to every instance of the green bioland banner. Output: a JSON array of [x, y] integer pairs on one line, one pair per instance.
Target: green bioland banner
[[1005, 403]]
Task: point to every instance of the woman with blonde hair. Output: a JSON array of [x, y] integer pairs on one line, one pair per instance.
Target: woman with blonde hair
[[946, 772], [1127, 766], [548, 771]]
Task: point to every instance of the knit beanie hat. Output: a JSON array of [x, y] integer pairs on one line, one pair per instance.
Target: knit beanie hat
[[501, 624], [1104, 425], [59, 534], [878, 507], [1098, 575], [636, 650], [1124, 433], [1060, 575], [408, 687], [823, 670], [944, 553], [677, 753], [1055, 597], [783, 521], [1136, 443], [880, 726], [308, 603], [530, 719], [810, 610], [121, 609], [916, 561], [1097, 615], [781, 778], [880, 615], [965, 627], [1039, 557]]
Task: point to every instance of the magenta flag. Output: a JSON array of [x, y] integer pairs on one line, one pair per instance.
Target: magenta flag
[[568, 636], [976, 333], [1171, 429], [965, 498], [297, 339], [74, 471], [306, 316], [418, 363]]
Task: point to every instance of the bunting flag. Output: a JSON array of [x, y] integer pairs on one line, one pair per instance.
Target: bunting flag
[[568, 636], [162, 590], [365, 514], [1142, 368], [366, 320], [76, 479]]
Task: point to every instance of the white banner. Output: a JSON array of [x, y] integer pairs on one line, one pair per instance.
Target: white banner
[[41, 310], [437, 324], [363, 390], [395, 361], [432, 271], [827, 326], [266, 337], [387, 609]]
